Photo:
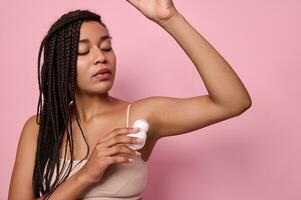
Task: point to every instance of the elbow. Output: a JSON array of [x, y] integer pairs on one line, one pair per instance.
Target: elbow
[[245, 102], [238, 107], [244, 106], [248, 104]]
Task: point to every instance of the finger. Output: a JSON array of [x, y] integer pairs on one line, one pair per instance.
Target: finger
[[114, 132], [123, 139], [118, 159], [119, 149], [118, 131]]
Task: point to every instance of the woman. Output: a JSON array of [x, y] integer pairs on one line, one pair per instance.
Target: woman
[[77, 112]]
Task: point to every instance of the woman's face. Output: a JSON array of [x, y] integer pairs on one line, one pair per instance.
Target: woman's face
[[95, 52]]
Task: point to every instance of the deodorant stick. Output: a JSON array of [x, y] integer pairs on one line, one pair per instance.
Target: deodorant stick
[[143, 125]]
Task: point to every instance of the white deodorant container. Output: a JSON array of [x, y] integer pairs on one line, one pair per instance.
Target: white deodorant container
[[143, 125]]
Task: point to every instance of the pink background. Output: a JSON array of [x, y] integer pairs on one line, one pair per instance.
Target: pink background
[[255, 156]]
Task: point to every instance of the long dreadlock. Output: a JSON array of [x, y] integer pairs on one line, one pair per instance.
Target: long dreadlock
[[57, 85]]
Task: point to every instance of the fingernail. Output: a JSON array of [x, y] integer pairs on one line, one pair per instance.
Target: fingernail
[[138, 153], [131, 160]]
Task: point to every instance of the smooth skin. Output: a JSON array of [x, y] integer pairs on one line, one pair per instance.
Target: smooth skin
[[101, 115]]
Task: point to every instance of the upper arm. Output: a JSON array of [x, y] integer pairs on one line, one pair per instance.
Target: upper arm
[[21, 179], [172, 116]]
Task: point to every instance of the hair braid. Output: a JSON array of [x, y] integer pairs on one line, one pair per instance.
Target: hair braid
[[57, 85]]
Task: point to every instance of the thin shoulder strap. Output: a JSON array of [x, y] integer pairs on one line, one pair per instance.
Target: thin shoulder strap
[[128, 115]]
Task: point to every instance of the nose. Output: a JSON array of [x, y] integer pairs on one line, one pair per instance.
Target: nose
[[99, 56]]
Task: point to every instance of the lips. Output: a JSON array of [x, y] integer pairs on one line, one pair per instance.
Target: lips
[[102, 71]]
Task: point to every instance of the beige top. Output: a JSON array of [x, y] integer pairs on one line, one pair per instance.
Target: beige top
[[122, 181]]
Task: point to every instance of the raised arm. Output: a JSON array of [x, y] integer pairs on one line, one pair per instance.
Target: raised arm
[[227, 96]]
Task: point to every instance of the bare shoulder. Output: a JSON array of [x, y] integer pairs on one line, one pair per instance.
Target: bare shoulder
[[21, 179], [29, 132], [30, 129], [31, 123]]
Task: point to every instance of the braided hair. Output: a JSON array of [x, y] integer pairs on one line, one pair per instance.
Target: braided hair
[[57, 85]]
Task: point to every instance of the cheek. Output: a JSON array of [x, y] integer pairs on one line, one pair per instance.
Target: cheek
[[82, 62], [82, 69], [113, 59]]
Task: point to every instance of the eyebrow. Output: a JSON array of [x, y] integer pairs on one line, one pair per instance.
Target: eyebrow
[[102, 38]]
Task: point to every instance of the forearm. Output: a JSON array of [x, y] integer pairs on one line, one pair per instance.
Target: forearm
[[70, 189], [222, 83]]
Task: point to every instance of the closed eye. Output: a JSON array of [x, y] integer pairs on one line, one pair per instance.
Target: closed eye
[[82, 53], [85, 53], [108, 49]]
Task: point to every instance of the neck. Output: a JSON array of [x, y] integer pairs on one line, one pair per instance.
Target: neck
[[88, 106]]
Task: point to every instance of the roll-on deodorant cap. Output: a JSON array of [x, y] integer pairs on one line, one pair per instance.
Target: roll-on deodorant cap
[[144, 126]]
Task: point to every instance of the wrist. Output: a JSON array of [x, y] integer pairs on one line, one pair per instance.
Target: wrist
[[171, 20], [83, 178]]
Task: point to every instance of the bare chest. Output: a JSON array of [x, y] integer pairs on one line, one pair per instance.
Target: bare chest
[[99, 128]]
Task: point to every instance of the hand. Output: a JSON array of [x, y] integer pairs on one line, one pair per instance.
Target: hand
[[105, 153], [155, 10]]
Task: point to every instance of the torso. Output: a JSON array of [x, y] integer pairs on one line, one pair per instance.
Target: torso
[[104, 124]]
